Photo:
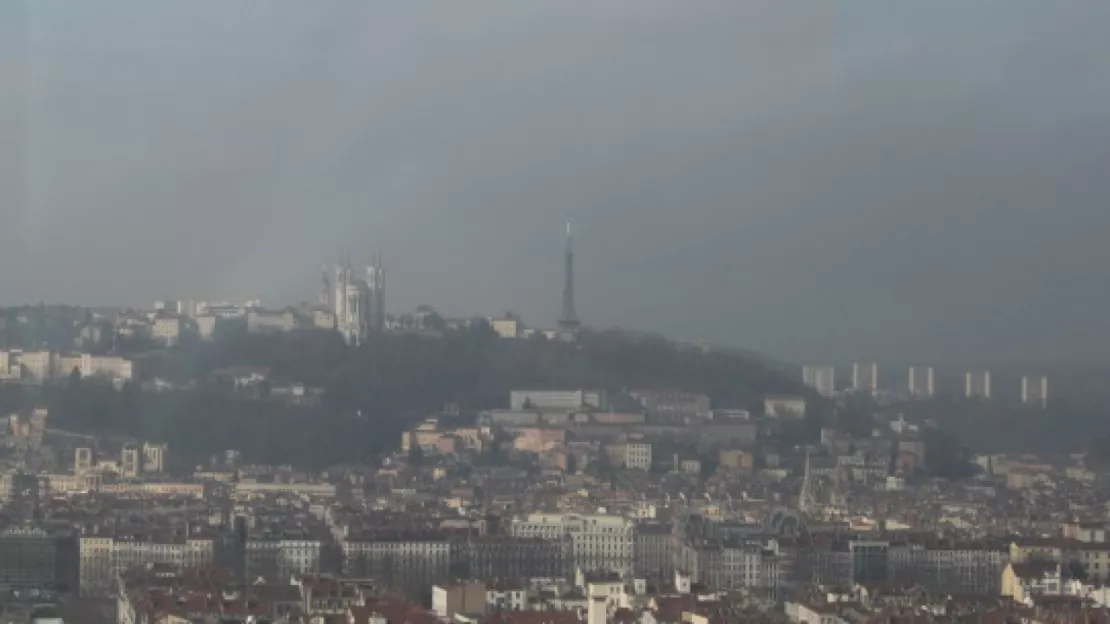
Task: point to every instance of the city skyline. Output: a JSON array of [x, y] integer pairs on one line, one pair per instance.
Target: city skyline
[[824, 344], [159, 155]]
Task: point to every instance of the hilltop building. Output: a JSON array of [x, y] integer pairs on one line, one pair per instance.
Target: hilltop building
[[821, 378], [359, 304]]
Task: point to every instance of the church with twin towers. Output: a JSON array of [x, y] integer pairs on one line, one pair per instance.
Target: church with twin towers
[[358, 303]]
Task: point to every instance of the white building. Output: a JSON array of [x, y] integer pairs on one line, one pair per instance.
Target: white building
[[359, 304], [7, 371], [600, 542], [82, 460], [104, 366], [37, 366], [271, 322], [977, 384], [569, 400], [374, 555], [1034, 390], [821, 378], [921, 382], [43, 366], [784, 406], [206, 326], [154, 457], [103, 558], [506, 596], [637, 455], [131, 462], [865, 376], [279, 557], [507, 327], [167, 330]]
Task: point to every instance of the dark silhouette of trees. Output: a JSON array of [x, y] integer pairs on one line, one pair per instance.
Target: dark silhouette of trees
[[374, 391]]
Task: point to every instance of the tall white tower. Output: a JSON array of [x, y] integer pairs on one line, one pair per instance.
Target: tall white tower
[[921, 382], [375, 284], [977, 384], [1034, 390], [865, 376], [820, 378]]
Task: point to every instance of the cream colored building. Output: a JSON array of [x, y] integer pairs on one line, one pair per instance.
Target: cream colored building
[[377, 555], [977, 384], [82, 460], [821, 378], [921, 382], [37, 366], [166, 330], [65, 484], [7, 370], [154, 457], [7, 485], [600, 542], [466, 597], [43, 366], [506, 327], [279, 557], [108, 367], [784, 407], [103, 558], [637, 455], [865, 376], [154, 488], [1034, 390], [131, 462]]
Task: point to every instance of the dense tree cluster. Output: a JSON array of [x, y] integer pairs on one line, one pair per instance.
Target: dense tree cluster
[[374, 391], [1065, 426]]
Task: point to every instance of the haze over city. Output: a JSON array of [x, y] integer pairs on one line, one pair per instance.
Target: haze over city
[[563, 312], [813, 180]]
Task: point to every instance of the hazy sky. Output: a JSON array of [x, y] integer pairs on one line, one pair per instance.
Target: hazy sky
[[817, 180]]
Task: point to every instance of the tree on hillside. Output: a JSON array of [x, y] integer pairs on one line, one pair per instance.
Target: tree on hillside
[[373, 392]]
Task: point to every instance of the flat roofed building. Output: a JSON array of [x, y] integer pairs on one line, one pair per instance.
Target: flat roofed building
[[977, 384], [921, 382], [1034, 390], [865, 376], [821, 378], [600, 542]]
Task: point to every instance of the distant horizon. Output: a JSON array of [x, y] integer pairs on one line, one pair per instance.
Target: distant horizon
[[816, 181], [892, 371]]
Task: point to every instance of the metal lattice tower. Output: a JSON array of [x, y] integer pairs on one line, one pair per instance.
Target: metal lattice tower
[[568, 320]]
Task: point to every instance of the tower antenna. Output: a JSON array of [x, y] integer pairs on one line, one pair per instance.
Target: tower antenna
[[568, 320]]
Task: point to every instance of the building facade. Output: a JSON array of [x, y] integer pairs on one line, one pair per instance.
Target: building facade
[[1034, 390], [921, 382], [821, 378], [865, 376], [359, 304], [101, 558], [504, 557], [600, 542], [977, 384]]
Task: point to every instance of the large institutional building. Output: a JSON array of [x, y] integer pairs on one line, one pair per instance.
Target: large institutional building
[[1034, 390], [820, 378], [921, 382], [977, 385], [865, 376], [359, 304]]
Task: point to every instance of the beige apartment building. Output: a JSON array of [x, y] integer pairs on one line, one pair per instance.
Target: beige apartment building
[[103, 557]]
